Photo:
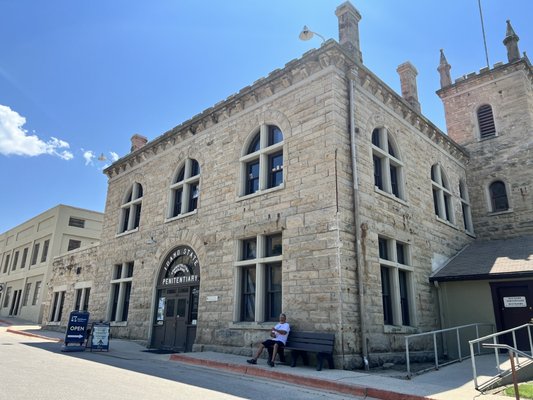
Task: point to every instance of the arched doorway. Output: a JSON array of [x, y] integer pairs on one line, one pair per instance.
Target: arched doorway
[[176, 308]]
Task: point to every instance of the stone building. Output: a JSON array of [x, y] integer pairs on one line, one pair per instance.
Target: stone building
[[26, 256], [317, 191]]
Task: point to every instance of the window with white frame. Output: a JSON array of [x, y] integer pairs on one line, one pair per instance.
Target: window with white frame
[[24, 257], [130, 215], [7, 296], [262, 161], [442, 196], [396, 282], [258, 280], [466, 208], [35, 253], [57, 305], [15, 261], [44, 254], [388, 168], [120, 291], [498, 196], [26, 296], [6, 262], [82, 299], [185, 189], [36, 293]]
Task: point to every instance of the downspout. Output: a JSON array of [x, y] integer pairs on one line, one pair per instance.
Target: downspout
[[352, 75]]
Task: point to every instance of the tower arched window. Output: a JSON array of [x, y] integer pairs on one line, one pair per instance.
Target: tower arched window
[[442, 196], [485, 119], [466, 208], [130, 215], [498, 196], [262, 162], [388, 168], [185, 189]]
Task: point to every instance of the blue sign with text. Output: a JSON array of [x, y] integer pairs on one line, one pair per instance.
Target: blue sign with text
[[77, 327]]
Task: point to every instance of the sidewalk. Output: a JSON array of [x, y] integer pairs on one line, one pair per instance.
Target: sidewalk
[[453, 382]]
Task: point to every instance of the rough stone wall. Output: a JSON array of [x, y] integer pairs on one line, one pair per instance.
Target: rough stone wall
[[507, 157]]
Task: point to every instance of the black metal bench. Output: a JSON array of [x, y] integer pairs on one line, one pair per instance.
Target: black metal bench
[[299, 343]]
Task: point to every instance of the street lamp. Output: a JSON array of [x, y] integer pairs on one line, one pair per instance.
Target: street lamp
[[307, 34]]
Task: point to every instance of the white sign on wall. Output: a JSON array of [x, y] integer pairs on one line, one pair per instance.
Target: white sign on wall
[[514, 301]]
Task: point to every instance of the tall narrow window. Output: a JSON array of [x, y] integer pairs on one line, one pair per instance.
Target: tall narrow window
[[185, 189], [388, 168], [6, 262], [36, 293], [45, 250], [465, 206], [262, 161], [24, 257], [120, 292], [259, 279], [397, 291], [15, 261], [56, 311], [26, 296], [131, 209], [498, 196], [442, 196], [35, 253], [485, 120], [82, 299]]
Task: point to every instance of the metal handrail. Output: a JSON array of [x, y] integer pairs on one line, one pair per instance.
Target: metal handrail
[[497, 345], [435, 350], [512, 352]]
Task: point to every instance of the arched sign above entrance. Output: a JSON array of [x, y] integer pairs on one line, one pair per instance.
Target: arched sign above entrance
[[180, 267]]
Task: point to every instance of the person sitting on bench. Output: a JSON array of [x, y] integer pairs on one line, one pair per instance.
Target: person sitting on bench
[[279, 335]]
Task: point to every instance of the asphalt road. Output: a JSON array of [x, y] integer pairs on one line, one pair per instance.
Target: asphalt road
[[35, 369]]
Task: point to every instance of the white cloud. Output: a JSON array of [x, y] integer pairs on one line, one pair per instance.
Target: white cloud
[[14, 139], [89, 157], [114, 156]]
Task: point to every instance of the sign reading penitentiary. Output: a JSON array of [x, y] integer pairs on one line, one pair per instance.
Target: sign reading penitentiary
[[514, 301], [100, 336]]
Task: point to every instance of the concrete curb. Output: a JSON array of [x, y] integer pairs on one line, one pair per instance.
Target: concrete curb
[[323, 384], [30, 334]]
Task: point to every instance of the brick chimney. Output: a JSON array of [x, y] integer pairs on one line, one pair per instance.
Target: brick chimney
[[349, 18], [137, 141], [408, 75]]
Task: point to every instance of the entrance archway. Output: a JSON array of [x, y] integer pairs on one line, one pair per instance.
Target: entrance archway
[[176, 308]]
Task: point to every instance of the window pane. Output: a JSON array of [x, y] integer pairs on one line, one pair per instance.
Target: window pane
[[400, 253], [86, 299], [180, 176], [169, 307], [498, 196], [275, 162], [404, 303], [127, 288], [118, 271], [176, 210], [194, 192], [73, 244], [394, 181], [45, 250], [76, 222], [35, 254], [273, 303], [248, 294], [78, 299], [252, 183], [391, 149], [254, 145], [36, 293], [195, 168], [24, 258], [383, 250], [386, 296], [375, 137], [249, 249], [273, 245], [129, 272], [274, 135], [125, 219], [378, 179], [137, 208]]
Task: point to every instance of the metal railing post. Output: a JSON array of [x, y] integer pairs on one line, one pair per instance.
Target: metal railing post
[[407, 357], [474, 371], [435, 349], [478, 345], [495, 341], [459, 344]]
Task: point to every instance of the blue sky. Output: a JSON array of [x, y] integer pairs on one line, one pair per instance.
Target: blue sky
[[79, 78]]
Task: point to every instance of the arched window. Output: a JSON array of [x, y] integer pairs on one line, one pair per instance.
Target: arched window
[[262, 163], [442, 197], [498, 196], [185, 189], [131, 209], [388, 169], [465, 205], [485, 120]]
